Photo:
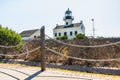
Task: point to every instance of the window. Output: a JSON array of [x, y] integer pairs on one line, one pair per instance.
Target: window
[[66, 23], [55, 34], [71, 33], [35, 37], [65, 33], [59, 34], [75, 32]]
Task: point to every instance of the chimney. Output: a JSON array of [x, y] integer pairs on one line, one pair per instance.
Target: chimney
[[81, 21], [57, 25]]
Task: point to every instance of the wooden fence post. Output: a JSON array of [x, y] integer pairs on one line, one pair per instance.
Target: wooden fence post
[[43, 61]]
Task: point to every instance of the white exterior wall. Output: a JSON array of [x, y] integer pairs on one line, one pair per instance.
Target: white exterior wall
[[25, 38], [37, 34], [68, 30], [69, 21]]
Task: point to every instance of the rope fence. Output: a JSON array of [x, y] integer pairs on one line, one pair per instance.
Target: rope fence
[[60, 54], [17, 55], [82, 59]]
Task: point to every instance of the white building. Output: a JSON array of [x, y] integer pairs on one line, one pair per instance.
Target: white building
[[30, 34], [69, 29]]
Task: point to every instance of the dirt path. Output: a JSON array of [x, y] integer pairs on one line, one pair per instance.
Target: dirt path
[[18, 72]]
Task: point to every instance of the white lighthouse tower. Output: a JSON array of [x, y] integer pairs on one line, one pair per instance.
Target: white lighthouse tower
[[68, 18]]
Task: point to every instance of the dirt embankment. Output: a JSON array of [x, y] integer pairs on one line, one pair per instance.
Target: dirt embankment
[[108, 52]]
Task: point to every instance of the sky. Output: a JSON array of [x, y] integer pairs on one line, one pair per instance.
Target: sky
[[20, 15]]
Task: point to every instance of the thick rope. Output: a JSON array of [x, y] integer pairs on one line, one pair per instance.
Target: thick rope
[[82, 59], [17, 55]]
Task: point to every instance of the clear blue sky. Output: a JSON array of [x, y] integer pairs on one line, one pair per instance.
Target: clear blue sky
[[31, 14]]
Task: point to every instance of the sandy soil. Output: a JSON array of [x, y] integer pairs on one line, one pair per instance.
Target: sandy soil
[[22, 72]]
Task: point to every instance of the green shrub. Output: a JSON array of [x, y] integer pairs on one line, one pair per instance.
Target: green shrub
[[80, 36], [9, 37]]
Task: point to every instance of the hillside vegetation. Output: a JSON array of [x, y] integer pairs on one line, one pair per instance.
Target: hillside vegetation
[[8, 37]]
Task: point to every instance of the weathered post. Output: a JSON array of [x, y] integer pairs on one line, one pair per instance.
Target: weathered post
[[42, 33]]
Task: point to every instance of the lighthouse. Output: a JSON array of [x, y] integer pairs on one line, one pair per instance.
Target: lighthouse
[[68, 18], [69, 29]]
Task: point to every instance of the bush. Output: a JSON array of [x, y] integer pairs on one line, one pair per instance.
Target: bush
[[80, 36], [9, 37]]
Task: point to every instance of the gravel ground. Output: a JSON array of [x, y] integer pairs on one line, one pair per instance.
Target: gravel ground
[[18, 72]]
